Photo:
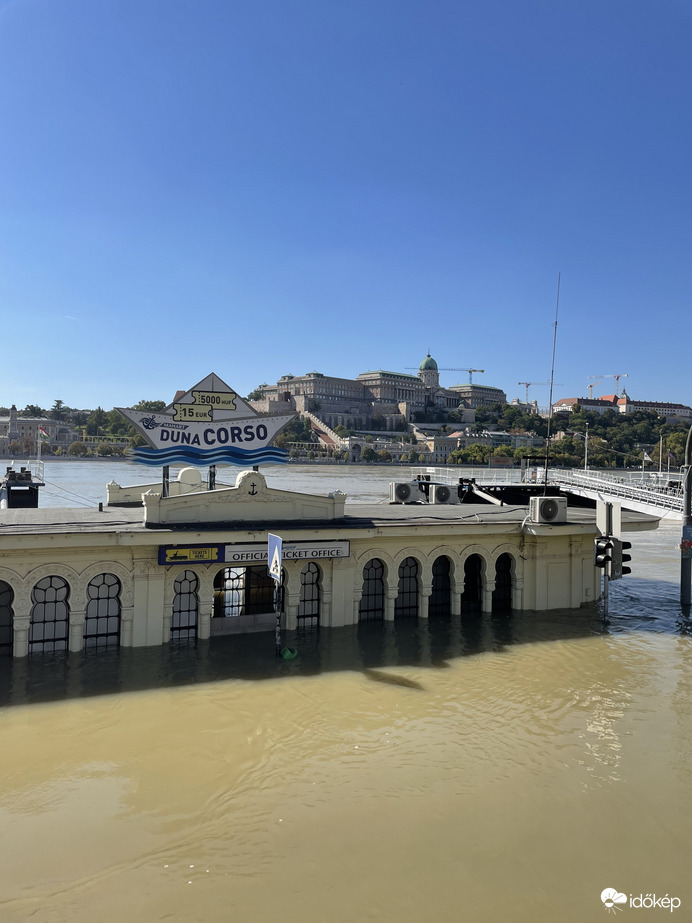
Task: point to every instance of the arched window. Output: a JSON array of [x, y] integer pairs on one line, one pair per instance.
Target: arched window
[[502, 594], [185, 607], [50, 615], [259, 590], [243, 591], [229, 585], [441, 598], [6, 619], [309, 605], [406, 605], [371, 607], [472, 596], [102, 622]]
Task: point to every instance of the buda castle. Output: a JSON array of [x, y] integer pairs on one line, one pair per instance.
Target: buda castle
[[353, 403]]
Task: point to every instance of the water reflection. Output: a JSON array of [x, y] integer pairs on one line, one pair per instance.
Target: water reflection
[[373, 646]]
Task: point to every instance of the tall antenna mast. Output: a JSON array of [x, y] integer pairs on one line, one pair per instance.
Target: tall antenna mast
[[552, 379]]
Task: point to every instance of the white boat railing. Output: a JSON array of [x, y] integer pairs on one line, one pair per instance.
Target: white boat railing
[[34, 466]]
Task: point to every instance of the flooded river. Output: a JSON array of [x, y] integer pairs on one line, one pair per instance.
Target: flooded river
[[484, 769]]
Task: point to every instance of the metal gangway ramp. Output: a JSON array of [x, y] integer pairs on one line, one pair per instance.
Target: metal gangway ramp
[[657, 499]]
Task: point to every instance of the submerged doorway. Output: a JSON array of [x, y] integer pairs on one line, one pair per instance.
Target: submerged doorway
[[243, 599]]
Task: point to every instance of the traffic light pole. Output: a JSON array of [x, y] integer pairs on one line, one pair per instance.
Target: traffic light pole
[[603, 554]]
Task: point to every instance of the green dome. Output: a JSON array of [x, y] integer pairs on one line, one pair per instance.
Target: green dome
[[428, 364]]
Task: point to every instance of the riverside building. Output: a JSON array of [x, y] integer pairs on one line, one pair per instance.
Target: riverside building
[[162, 566], [186, 559]]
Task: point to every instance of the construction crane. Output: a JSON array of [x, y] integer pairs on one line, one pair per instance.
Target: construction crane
[[617, 378], [470, 371], [528, 385], [591, 387]]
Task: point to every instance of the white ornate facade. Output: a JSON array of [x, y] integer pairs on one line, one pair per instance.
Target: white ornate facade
[[193, 566]]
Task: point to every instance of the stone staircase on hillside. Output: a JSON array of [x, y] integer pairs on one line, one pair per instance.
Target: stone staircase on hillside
[[324, 434]]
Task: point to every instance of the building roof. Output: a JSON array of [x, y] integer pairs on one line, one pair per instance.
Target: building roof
[[472, 385], [428, 364], [414, 378], [111, 524], [609, 399]]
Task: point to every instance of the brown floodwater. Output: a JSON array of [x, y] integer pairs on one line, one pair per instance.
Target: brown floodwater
[[485, 769]]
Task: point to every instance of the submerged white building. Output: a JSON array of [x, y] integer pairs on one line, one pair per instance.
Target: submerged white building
[[149, 569]]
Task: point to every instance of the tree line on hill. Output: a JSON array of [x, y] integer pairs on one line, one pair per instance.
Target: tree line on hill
[[614, 440], [102, 432]]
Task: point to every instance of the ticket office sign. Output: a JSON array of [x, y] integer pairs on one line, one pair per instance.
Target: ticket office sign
[[192, 554], [291, 551], [247, 555]]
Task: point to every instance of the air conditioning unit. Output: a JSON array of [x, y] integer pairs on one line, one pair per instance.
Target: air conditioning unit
[[405, 492], [551, 510], [442, 493]]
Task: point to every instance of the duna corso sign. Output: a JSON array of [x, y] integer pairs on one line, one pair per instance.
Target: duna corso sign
[[207, 425]]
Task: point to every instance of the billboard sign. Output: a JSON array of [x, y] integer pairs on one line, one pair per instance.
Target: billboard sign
[[208, 425]]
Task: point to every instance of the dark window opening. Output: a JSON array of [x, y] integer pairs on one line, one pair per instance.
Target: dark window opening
[[102, 622], [406, 604], [441, 596], [371, 608], [50, 615], [502, 594], [309, 605], [185, 608], [6, 619], [472, 596]]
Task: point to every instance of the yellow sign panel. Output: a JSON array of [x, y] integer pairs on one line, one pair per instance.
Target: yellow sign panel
[[176, 555], [191, 412], [221, 400]]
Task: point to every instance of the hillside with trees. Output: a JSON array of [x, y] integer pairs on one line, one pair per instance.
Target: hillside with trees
[[614, 440]]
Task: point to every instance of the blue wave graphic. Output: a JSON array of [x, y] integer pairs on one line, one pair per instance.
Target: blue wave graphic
[[189, 455]]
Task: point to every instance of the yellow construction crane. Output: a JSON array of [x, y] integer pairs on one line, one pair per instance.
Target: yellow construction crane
[[440, 369], [470, 371], [617, 376], [528, 385]]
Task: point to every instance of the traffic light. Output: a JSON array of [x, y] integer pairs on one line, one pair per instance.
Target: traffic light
[[617, 565], [603, 552]]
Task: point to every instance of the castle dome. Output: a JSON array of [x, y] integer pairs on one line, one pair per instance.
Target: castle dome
[[428, 364]]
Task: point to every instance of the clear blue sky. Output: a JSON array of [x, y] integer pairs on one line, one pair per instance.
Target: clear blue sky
[[264, 187]]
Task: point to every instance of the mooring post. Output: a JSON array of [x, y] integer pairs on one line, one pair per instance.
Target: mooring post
[[277, 611], [685, 548]]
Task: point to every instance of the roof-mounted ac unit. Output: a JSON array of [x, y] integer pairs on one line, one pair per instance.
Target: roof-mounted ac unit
[[442, 493], [551, 510], [405, 492]]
